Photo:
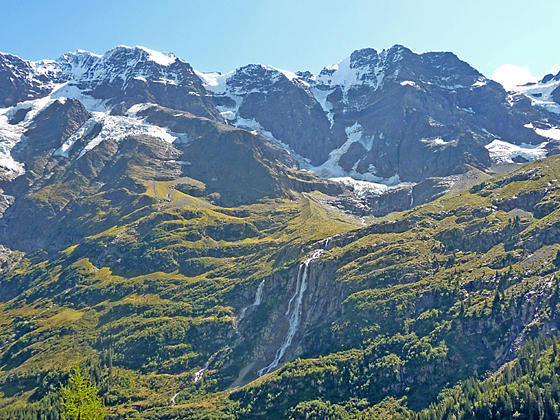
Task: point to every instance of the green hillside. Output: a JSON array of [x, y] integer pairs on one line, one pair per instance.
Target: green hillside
[[436, 312]]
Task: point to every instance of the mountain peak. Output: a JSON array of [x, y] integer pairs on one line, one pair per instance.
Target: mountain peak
[[134, 55], [161, 58]]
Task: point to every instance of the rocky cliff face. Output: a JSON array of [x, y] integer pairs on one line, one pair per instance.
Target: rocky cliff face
[[389, 118], [544, 93], [21, 80]]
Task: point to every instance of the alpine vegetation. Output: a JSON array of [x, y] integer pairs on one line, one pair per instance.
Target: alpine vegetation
[[379, 239]]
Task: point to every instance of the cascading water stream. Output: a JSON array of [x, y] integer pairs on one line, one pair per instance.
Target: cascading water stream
[[200, 373], [294, 310], [197, 377], [257, 302], [173, 399]]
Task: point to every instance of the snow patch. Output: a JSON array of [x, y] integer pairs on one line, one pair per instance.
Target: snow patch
[[330, 168], [64, 149], [214, 82], [541, 94], [362, 188], [346, 76], [504, 152], [136, 108], [163, 59], [289, 75], [69, 90], [438, 141], [11, 134], [116, 127], [361, 183], [549, 133], [320, 96], [480, 82]]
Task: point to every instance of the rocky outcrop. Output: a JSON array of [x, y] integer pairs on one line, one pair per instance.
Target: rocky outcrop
[[298, 303], [381, 114], [138, 75], [20, 81]]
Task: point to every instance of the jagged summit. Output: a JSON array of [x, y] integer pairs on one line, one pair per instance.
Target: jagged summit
[[389, 118], [365, 99], [140, 52]]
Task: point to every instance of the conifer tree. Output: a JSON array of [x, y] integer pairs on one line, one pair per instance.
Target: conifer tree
[[80, 399]]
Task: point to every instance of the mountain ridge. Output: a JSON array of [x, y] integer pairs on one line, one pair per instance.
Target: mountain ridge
[[323, 148], [366, 242]]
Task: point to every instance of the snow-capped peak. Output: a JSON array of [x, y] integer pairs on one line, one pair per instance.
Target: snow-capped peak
[[246, 79], [133, 55], [545, 93], [362, 67], [365, 66], [161, 58], [76, 64]]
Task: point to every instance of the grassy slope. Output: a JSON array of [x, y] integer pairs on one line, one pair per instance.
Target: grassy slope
[[433, 295], [156, 327], [454, 292]]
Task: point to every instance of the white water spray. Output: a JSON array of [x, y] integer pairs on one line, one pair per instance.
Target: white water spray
[[294, 311], [173, 399], [257, 302], [197, 377], [200, 373]]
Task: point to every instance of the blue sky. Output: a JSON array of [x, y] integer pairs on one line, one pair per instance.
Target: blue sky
[[219, 35]]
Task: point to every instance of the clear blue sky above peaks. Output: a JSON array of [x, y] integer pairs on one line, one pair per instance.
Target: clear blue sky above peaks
[[220, 35]]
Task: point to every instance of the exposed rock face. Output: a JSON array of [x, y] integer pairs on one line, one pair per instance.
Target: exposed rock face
[[126, 75], [21, 80], [294, 300], [237, 164], [137, 75], [391, 116], [51, 127], [387, 114], [283, 107]]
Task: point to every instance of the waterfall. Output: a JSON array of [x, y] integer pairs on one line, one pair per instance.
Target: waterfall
[[200, 373], [411, 198], [294, 310], [197, 377], [257, 302]]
